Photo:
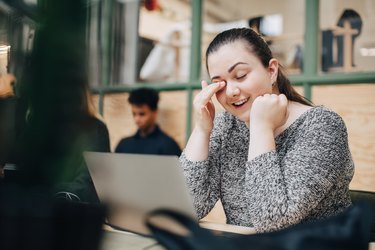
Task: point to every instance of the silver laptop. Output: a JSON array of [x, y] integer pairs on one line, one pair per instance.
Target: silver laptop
[[134, 184]]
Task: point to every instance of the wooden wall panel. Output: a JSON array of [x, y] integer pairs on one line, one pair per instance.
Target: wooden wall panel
[[172, 116], [356, 105], [118, 116]]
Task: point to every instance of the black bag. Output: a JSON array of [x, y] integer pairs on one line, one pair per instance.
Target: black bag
[[348, 230]]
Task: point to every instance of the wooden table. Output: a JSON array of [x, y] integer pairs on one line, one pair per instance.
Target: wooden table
[[118, 240], [226, 228]]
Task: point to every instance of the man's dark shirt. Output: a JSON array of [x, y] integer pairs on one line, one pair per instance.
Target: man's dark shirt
[[157, 143]]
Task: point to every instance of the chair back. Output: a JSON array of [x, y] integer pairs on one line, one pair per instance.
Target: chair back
[[359, 195]]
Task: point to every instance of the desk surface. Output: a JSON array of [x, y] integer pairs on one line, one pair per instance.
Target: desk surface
[[227, 228], [116, 240]]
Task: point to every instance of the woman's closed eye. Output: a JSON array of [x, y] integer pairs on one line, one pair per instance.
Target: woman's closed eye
[[241, 77]]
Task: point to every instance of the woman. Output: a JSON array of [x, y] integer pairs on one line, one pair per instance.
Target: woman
[[81, 129], [272, 158], [62, 118]]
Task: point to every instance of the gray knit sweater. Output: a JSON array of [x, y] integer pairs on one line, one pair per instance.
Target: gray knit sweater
[[306, 178]]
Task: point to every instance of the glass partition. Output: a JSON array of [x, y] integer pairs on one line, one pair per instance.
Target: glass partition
[[282, 25], [113, 42], [165, 37], [17, 28], [348, 35]]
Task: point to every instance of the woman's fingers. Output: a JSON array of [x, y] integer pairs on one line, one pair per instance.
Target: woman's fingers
[[204, 84], [208, 90], [203, 106]]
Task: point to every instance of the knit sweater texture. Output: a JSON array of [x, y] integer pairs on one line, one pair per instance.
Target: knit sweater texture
[[305, 178]]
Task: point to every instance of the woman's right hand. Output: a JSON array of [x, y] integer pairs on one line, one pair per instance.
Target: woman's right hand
[[198, 143], [204, 109]]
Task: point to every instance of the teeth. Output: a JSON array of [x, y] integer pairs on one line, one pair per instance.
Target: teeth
[[240, 102]]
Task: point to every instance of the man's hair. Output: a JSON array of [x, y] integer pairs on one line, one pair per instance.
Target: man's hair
[[145, 96]]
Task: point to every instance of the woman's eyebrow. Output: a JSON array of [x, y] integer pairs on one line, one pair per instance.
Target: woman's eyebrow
[[235, 65], [229, 70]]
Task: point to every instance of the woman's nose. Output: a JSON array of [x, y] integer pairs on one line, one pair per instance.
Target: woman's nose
[[232, 89]]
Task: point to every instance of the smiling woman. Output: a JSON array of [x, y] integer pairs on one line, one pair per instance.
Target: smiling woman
[[272, 158]]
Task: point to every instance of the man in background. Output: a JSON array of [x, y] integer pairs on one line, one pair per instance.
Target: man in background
[[149, 139]]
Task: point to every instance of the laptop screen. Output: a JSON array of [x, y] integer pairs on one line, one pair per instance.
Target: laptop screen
[[133, 185]]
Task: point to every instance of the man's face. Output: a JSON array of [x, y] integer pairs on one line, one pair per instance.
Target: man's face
[[144, 117]]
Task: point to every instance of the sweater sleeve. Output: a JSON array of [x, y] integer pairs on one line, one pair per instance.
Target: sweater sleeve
[[203, 177], [282, 190]]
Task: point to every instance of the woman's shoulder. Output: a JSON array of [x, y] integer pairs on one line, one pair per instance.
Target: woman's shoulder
[[323, 117], [94, 121], [91, 124], [324, 113]]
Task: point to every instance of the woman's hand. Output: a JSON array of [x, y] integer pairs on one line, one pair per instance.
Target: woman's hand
[[204, 108], [198, 143], [269, 111]]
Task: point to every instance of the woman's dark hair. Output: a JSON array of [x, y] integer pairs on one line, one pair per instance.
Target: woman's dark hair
[[256, 45]]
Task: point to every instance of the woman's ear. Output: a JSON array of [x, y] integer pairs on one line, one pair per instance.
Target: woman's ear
[[273, 68]]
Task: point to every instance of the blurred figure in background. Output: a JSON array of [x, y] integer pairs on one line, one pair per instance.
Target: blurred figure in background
[[85, 131], [149, 139], [74, 126], [61, 121], [57, 126]]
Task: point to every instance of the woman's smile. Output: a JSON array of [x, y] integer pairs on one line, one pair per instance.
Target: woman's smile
[[240, 103]]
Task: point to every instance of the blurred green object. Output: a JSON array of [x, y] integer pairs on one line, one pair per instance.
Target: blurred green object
[[52, 85]]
